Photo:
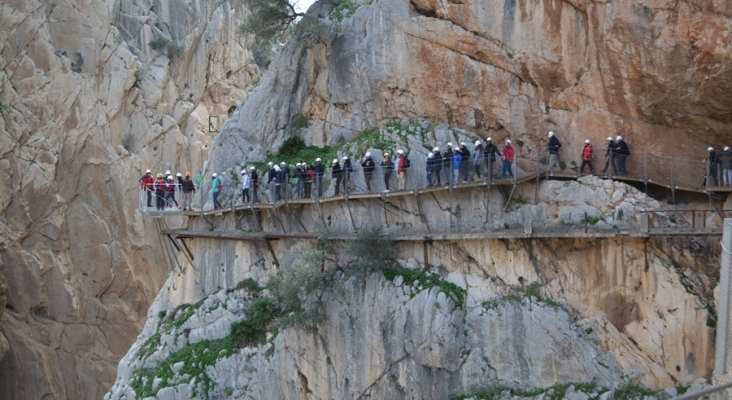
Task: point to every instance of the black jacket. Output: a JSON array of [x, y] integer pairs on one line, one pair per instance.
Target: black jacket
[[553, 145], [387, 165], [188, 186], [337, 171], [611, 146], [437, 160], [465, 154], [255, 178], [491, 151], [368, 165], [622, 148]]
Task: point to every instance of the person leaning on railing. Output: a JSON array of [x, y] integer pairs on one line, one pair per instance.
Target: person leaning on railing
[[447, 157], [319, 171], [726, 158], [146, 184], [160, 187]]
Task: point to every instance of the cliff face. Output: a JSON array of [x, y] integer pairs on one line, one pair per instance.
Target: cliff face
[[653, 72], [609, 309], [86, 105]]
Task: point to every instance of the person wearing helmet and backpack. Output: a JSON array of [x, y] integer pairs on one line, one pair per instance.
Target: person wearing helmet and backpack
[[553, 148], [623, 152], [161, 188], [587, 157], [146, 184], [216, 187], [491, 153]]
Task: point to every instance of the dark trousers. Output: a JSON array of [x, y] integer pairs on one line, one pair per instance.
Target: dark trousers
[[255, 197], [489, 175], [149, 197], [464, 170], [245, 196], [367, 179], [216, 200], [621, 164], [585, 162], [160, 199], [387, 176], [338, 181], [436, 175], [610, 162], [308, 188]]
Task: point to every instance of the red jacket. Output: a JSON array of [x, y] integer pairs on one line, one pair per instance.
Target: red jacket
[[160, 185], [587, 153], [508, 153], [146, 182], [402, 166]]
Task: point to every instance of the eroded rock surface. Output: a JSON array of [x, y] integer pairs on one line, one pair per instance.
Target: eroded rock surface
[[86, 105]]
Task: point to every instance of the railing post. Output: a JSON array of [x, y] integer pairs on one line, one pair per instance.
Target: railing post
[[709, 177], [585, 222], [645, 170]]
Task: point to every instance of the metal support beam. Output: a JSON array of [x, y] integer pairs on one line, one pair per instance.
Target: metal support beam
[[267, 241]]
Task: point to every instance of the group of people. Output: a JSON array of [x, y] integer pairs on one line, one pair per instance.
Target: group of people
[[164, 187], [454, 164], [721, 163]]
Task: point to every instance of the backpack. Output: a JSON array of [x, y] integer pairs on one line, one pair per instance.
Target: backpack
[[311, 173], [407, 163], [219, 186]]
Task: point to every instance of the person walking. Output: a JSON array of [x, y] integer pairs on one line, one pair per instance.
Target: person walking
[[587, 155], [553, 149], [387, 167], [490, 153], [726, 158], [216, 187], [146, 184], [319, 171], [457, 162], [170, 195], [246, 184], [255, 185], [465, 161], [402, 165], [623, 152], [478, 159], [199, 180], [447, 160], [436, 165], [337, 176], [188, 188], [712, 162], [610, 155], [368, 166], [347, 169], [508, 157], [161, 188], [430, 168], [309, 178]]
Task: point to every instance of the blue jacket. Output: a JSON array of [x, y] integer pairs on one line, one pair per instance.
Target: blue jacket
[[215, 185], [456, 160]]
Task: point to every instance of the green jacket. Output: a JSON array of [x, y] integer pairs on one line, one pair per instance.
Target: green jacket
[[726, 158]]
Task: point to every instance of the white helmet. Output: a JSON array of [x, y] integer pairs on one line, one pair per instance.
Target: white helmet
[[277, 168], [436, 149], [318, 160], [508, 141], [368, 154], [726, 148], [587, 141], [178, 174], [167, 172], [710, 148], [298, 164], [148, 171], [335, 161], [270, 163], [244, 171], [400, 151], [386, 154], [619, 138], [477, 142], [551, 133], [283, 163], [430, 154], [449, 144], [170, 176], [488, 139], [345, 158], [251, 168], [462, 143], [609, 138], [214, 175]]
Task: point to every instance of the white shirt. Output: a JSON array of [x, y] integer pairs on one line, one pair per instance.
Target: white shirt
[[246, 184]]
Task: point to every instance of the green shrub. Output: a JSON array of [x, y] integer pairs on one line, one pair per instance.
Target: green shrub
[[343, 10], [417, 278]]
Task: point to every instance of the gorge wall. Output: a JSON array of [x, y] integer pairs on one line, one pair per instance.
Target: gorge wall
[[87, 103], [655, 72]]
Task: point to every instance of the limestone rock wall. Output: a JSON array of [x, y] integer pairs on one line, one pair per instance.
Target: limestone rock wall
[[86, 105], [653, 72]]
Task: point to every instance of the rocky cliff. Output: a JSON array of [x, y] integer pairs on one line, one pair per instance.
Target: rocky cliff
[[527, 314], [654, 72], [91, 94]]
